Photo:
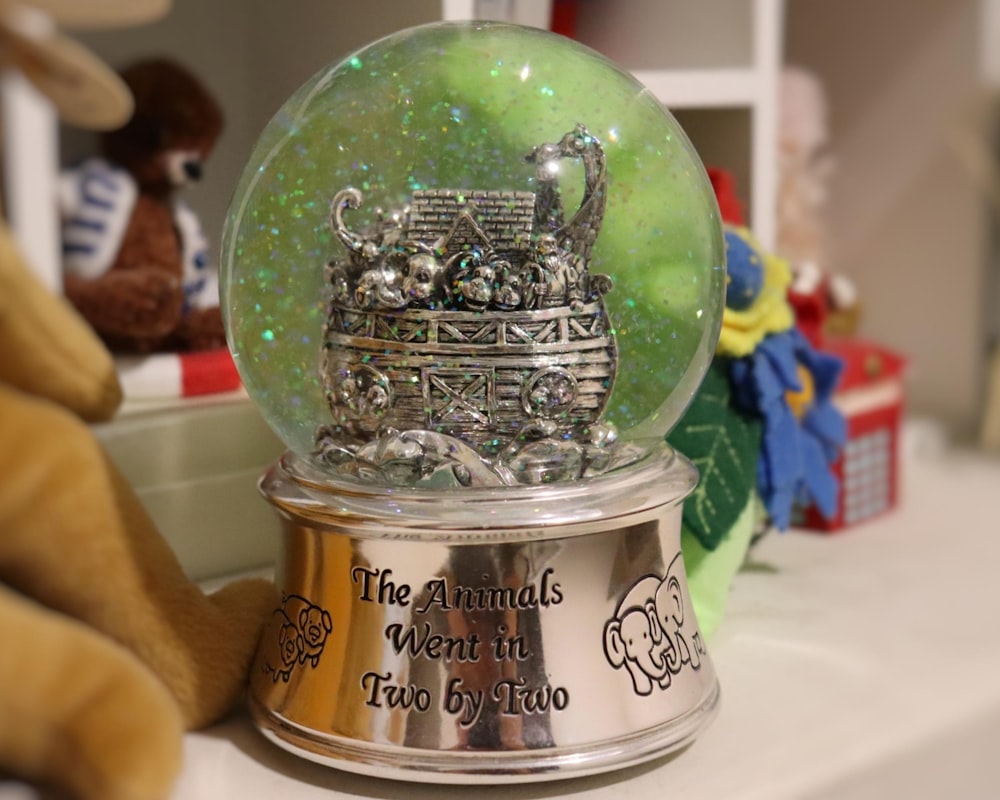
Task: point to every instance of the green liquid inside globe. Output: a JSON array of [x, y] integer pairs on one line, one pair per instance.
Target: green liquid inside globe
[[457, 106]]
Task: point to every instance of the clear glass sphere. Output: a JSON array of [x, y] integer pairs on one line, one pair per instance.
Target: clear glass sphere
[[332, 236]]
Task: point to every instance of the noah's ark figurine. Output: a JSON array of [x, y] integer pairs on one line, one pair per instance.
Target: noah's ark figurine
[[466, 333]]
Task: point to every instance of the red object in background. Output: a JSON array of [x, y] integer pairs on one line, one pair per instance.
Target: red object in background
[[811, 310], [725, 193], [563, 20], [870, 396], [163, 376], [208, 372]]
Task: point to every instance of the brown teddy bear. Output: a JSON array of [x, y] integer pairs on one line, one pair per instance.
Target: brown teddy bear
[[136, 264], [109, 652]]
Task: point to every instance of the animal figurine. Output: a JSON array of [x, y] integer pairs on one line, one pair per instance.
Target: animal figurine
[[380, 287], [425, 283], [510, 286], [472, 280], [135, 261]]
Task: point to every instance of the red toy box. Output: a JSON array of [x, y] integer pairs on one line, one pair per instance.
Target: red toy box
[[870, 396]]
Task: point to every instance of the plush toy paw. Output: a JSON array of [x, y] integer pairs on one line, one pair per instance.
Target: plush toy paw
[[222, 654], [200, 329], [138, 308], [77, 539], [49, 350], [81, 713]]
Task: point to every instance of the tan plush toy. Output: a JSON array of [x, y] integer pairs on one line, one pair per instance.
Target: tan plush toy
[[109, 651]]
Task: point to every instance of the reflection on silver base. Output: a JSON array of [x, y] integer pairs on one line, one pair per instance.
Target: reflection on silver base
[[522, 766], [483, 635]]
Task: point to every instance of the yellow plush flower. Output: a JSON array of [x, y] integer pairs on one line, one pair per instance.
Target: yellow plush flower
[[756, 301]]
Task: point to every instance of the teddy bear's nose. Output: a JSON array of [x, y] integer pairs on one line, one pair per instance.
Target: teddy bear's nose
[[193, 170]]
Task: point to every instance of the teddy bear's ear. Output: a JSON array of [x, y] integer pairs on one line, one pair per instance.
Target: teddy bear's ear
[[48, 350]]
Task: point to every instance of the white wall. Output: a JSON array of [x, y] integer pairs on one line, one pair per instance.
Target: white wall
[[654, 34], [906, 221], [292, 39]]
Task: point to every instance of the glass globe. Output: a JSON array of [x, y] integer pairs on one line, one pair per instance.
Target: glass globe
[[472, 244]]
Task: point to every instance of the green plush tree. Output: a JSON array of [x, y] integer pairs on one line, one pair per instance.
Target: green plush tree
[[719, 516]]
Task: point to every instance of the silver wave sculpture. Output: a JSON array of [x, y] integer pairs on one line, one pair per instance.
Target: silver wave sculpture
[[466, 335]]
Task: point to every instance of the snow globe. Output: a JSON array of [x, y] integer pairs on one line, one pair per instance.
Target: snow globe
[[472, 275]]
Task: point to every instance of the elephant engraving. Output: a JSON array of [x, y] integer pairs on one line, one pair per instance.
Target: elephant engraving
[[651, 634], [632, 637], [671, 618]]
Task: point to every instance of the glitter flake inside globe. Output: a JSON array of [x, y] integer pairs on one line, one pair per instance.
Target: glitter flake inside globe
[[473, 237]]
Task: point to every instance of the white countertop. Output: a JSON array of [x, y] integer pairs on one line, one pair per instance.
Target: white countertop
[[863, 664], [860, 665]]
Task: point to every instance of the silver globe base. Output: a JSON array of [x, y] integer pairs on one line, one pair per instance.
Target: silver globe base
[[501, 635]]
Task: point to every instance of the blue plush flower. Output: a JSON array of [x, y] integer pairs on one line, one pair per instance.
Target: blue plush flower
[[744, 270], [789, 385]]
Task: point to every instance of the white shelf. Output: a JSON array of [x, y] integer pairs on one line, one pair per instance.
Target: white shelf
[[195, 464], [30, 171], [861, 665]]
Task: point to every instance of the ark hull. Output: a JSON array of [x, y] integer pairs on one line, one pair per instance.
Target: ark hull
[[478, 376]]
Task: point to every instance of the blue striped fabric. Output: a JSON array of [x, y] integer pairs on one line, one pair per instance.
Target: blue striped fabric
[[98, 200], [97, 203]]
